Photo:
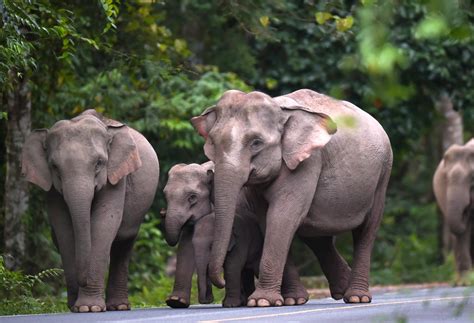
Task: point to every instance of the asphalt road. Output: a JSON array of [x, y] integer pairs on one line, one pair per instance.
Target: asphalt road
[[414, 305]]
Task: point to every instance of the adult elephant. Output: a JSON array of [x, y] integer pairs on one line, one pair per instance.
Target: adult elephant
[[306, 176], [452, 185], [101, 177]]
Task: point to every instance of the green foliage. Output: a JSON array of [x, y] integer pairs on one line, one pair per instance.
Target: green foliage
[[17, 292], [156, 294], [150, 253]]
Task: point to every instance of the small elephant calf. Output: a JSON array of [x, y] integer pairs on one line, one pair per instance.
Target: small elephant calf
[[190, 213]]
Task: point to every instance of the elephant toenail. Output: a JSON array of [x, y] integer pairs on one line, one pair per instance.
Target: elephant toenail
[[95, 308], [354, 299], [122, 307], [365, 299], [263, 303], [302, 301], [278, 303], [251, 303], [290, 301], [83, 309]]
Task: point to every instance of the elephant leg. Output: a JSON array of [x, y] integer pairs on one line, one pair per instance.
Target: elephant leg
[[202, 243], [248, 282], [334, 267], [63, 237], [180, 297], [106, 217], [280, 229], [292, 290], [364, 237], [233, 267], [462, 255], [117, 285]]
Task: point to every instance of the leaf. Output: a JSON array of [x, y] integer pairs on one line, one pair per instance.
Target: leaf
[[322, 17], [264, 21], [344, 24], [432, 27]]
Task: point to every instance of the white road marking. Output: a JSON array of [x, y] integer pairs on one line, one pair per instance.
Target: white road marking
[[340, 308]]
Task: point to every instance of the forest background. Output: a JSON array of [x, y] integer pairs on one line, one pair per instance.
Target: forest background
[[155, 64]]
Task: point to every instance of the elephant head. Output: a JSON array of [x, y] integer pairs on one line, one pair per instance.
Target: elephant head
[[189, 202], [188, 196], [251, 138], [457, 168], [77, 157]]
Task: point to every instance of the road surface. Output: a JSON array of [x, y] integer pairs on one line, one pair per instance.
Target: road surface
[[414, 305]]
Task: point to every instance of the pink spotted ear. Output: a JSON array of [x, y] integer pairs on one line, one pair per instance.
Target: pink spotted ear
[[304, 132], [34, 164], [123, 154], [203, 124]]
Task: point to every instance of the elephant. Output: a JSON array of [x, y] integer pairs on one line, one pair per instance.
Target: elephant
[[453, 188], [100, 178], [313, 166], [190, 220]]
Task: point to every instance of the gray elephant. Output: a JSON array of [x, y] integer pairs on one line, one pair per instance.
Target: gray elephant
[[304, 175], [100, 177], [190, 214], [452, 185]]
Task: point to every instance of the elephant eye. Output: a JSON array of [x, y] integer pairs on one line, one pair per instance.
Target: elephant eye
[[256, 143], [192, 199], [98, 165]]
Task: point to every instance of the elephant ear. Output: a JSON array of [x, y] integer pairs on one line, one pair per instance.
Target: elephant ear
[[304, 132], [123, 153], [209, 168], [203, 124], [34, 163]]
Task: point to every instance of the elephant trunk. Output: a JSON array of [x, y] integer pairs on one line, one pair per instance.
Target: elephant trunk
[[458, 200], [78, 196], [228, 181], [173, 226]]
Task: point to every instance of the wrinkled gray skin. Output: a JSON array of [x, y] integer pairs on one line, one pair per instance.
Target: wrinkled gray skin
[[315, 181], [189, 199], [454, 191], [100, 177]]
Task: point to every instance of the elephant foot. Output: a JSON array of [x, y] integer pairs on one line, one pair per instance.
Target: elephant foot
[[206, 300], [233, 302], [299, 296], [262, 298], [118, 305], [86, 304], [177, 302], [357, 296]]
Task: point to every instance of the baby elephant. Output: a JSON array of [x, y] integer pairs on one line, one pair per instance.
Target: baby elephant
[[190, 213], [100, 177], [454, 191]]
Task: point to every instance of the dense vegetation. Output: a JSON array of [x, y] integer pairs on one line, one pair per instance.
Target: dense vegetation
[[155, 64]]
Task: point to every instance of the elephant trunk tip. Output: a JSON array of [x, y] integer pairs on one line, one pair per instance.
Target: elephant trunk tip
[[216, 278], [172, 241]]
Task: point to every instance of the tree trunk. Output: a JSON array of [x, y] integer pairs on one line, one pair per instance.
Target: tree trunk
[[18, 103], [451, 133]]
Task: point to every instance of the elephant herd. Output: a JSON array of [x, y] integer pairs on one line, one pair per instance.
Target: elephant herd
[[278, 167]]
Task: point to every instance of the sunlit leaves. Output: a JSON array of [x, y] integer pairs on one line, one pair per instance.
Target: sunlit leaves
[[342, 24], [264, 21], [111, 10], [432, 27], [322, 17]]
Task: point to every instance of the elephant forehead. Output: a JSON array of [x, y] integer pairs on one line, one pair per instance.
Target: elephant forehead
[[75, 137]]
